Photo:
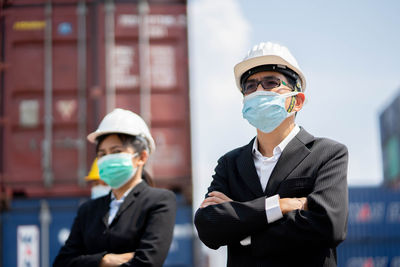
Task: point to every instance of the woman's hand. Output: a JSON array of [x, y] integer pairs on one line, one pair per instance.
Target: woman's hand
[[213, 198], [114, 260], [289, 204]]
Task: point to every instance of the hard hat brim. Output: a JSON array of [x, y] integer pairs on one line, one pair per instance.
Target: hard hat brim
[[93, 136], [87, 178], [250, 63]]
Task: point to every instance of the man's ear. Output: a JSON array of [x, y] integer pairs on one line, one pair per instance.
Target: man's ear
[[298, 105]]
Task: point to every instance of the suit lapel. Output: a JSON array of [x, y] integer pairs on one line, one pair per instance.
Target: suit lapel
[[129, 200], [291, 156], [247, 170], [106, 211]]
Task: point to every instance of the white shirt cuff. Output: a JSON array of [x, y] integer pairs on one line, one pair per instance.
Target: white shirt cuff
[[272, 209], [246, 241]]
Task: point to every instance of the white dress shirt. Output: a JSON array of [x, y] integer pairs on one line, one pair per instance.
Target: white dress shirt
[[264, 167]]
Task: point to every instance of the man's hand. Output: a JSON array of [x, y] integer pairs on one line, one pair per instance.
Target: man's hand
[[289, 204], [214, 198], [114, 260]]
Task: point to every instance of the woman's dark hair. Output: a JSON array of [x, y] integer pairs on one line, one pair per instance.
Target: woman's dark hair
[[138, 143]]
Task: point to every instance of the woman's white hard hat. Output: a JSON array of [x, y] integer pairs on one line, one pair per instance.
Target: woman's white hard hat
[[126, 122], [268, 54]]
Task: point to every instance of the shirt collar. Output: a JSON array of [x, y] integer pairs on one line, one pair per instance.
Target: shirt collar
[[279, 148], [124, 195]]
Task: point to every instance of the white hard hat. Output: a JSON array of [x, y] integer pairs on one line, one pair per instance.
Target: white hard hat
[[126, 122], [268, 54]]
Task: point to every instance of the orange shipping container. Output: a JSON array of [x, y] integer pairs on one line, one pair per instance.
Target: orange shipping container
[[68, 62]]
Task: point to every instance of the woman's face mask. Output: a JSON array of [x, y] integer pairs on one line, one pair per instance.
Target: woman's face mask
[[116, 169], [266, 110]]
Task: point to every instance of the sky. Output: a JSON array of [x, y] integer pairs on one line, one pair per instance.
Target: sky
[[349, 52]]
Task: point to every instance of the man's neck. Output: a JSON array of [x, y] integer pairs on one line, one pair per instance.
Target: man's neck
[[268, 141]]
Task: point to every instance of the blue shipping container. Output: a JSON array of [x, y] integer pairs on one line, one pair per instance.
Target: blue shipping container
[[373, 238], [20, 222], [181, 250], [374, 213], [369, 254], [33, 231]]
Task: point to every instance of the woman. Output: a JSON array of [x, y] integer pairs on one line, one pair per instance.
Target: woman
[[133, 225]]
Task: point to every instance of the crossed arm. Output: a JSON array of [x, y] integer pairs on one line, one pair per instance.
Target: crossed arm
[[286, 204]]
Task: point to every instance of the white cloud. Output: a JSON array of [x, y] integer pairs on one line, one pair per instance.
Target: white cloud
[[218, 39]]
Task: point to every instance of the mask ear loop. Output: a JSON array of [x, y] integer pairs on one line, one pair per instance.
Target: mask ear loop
[[291, 105], [293, 100]]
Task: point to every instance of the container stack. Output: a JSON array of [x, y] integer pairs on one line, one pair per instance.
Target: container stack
[[64, 64], [373, 237]]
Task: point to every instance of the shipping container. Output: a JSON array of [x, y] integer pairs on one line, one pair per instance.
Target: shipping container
[[69, 62], [181, 250], [373, 237], [374, 213], [33, 231], [369, 254]]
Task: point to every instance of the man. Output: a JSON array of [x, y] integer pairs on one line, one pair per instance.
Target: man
[[282, 199]]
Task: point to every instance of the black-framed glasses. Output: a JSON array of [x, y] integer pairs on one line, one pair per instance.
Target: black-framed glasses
[[267, 82]]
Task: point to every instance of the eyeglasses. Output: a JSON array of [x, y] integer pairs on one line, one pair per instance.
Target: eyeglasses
[[267, 82]]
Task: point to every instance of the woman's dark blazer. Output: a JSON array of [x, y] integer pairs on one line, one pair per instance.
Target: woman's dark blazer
[[144, 225]]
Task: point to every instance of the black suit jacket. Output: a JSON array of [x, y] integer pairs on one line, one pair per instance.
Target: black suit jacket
[[310, 167], [144, 224]]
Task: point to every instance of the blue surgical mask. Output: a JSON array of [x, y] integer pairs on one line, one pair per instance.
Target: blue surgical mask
[[99, 191], [266, 110], [116, 169]]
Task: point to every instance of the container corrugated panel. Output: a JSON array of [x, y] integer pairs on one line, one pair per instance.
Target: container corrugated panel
[[63, 60], [25, 112], [23, 228], [2, 101], [181, 250], [373, 237], [369, 254], [374, 214], [33, 226]]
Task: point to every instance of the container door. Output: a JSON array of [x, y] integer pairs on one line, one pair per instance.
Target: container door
[[45, 99], [146, 71]]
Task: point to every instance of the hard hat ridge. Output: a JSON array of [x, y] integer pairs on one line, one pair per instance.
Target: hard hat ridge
[[126, 122], [272, 49], [264, 54]]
